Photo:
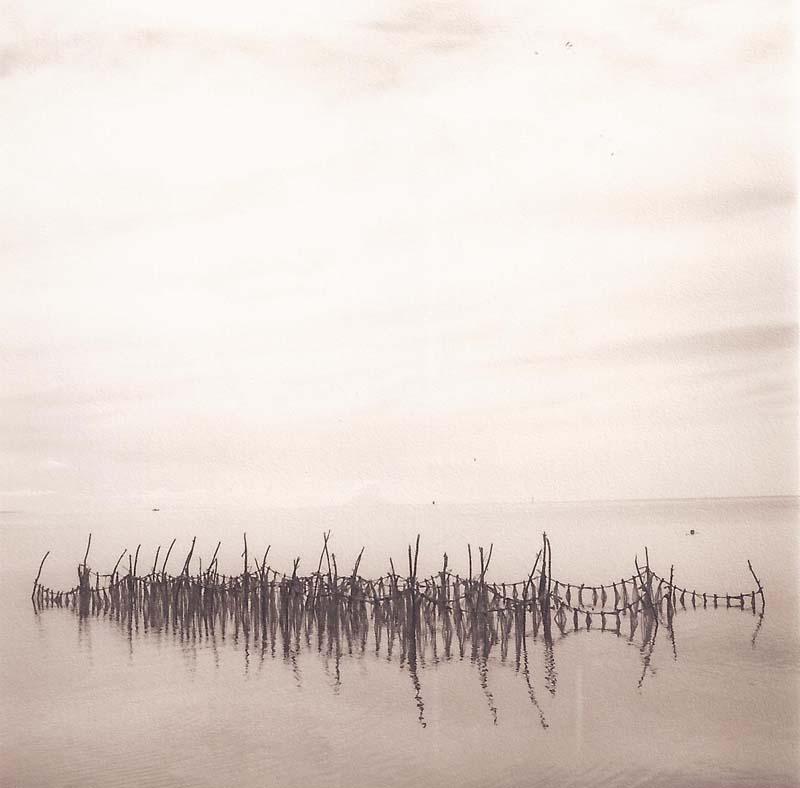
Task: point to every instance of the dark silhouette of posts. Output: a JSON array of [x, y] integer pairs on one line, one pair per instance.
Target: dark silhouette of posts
[[544, 589], [84, 584]]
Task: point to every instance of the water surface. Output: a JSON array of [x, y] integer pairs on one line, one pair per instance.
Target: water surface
[[95, 703]]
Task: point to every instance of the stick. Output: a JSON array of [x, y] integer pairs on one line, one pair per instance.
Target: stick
[[87, 551], [39, 574], [758, 582], [213, 559], [544, 589], [328, 558], [533, 571], [156, 560], [188, 557], [114, 570], [358, 561], [264, 560], [325, 537], [549, 564], [164, 566], [319, 566]]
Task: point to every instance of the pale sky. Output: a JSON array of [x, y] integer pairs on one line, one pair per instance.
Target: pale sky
[[292, 254]]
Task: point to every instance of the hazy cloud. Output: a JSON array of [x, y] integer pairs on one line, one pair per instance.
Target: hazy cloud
[[55, 464], [25, 493], [434, 25], [758, 340]]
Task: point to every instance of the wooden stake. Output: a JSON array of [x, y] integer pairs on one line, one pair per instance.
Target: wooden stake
[[164, 566], [38, 575]]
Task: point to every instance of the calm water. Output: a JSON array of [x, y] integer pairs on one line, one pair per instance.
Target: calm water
[[87, 703]]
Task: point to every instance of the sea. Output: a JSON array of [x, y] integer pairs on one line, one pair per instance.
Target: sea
[[86, 702]]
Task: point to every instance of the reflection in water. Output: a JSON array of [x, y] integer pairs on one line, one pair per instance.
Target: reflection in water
[[550, 674], [757, 629], [647, 655], [406, 615], [531, 693], [483, 672], [415, 683], [85, 636]]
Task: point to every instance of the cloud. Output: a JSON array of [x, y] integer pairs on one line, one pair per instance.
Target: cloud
[[25, 493], [101, 50], [54, 464], [757, 339], [715, 202], [377, 49], [433, 26]]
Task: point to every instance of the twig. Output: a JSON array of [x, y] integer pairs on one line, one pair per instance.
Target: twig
[[38, 575], [164, 565], [155, 562], [121, 556], [188, 558], [758, 583], [86, 555]]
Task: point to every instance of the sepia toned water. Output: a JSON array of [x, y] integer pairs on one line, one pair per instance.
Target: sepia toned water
[[90, 703]]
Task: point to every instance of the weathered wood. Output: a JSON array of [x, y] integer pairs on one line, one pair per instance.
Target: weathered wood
[[38, 575], [164, 565], [412, 612]]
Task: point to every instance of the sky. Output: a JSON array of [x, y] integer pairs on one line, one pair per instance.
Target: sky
[[308, 253]]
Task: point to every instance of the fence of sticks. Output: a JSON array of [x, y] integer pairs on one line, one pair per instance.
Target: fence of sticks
[[406, 608]]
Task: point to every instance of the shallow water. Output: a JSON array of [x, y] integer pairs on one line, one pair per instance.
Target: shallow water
[[90, 703]]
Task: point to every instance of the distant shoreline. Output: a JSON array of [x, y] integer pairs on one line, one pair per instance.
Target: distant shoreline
[[184, 505], [673, 500]]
